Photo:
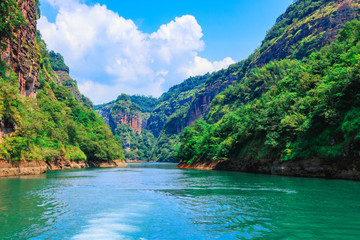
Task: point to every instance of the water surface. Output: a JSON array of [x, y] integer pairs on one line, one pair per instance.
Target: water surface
[[158, 201]]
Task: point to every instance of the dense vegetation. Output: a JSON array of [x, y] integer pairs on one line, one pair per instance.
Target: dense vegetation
[[173, 106], [126, 117], [138, 145], [177, 99], [305, 27], [57, 62], [10, 20], [287, 110], [146, 103], [52, 126], [158, 140]]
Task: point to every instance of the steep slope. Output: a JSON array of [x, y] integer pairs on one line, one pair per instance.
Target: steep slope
[[20, 40], [62, 77], [305, 122], [49, 125], [127, 117], [306, 26], [164, 120], [156, 117]]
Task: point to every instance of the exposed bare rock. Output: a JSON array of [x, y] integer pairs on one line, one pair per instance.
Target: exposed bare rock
[[18, 168], [21, 53], [316, 168]]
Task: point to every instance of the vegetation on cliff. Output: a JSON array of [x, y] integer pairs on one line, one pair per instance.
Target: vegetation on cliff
[[57, 62], [127, 117], [172, 109], [288, 110], [158, 139], [304, 28], [52, 126], [10, 20]]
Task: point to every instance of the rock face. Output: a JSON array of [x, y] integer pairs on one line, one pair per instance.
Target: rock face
[[69, 83], [18, 168], [200, 106], [134, 120], [318, 168], [123, 111], [21, 53], [323, 26], [312, 32]]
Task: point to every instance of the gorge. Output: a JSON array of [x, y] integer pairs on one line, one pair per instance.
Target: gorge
[[281, 127]]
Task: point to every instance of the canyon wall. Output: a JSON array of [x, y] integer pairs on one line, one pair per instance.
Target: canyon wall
[[309, 33], [21, 53]]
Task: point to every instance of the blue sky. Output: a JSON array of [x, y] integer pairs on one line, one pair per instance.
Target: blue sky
[[145, 47]]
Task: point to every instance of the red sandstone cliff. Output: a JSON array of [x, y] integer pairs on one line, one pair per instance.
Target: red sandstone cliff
[[134, 120], [21, 53]]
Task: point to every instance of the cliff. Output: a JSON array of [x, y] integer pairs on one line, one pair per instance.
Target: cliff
[[69, 83], [124, 111], [128, 117], [21, 168], [305, 27], [21, 53], [289, 117], [43, 117]]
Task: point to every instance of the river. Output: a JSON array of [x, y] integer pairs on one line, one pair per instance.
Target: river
[[158, 201]]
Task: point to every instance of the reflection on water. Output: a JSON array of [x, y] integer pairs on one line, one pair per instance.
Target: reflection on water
[[158, 201]]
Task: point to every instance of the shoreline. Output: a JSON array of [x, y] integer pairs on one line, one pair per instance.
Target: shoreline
[[22, 168], [311, 168]]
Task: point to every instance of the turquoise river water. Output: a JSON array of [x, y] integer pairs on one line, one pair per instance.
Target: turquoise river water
[[158, 201]]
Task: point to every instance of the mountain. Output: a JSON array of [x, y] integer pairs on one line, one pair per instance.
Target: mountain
[[128, 116], [43, 116], [294, 112], [305, 27], [145, 124]]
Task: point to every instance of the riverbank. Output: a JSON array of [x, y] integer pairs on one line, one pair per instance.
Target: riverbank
[[18, 168], [313, 168]]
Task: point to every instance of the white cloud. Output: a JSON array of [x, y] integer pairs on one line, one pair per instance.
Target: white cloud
[[115, 56]]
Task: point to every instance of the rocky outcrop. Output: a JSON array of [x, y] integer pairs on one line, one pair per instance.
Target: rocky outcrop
[[200, 106], [124, 111], [69, 83], [316, 168], [313, 32], [21, 53], [6, 127], [302, 37], [135, 120], [109, 164], [104, 111], [18, 168], [211, 165]]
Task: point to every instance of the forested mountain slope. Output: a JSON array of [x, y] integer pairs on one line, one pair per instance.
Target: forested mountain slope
[[144, 123], [305, 27], [41, 120], [289, 117], [128, 117]]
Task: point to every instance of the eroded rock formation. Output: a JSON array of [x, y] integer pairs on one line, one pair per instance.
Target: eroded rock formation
[[21, 53]]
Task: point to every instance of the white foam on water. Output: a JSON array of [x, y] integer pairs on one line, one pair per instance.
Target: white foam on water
[[112, 225]]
